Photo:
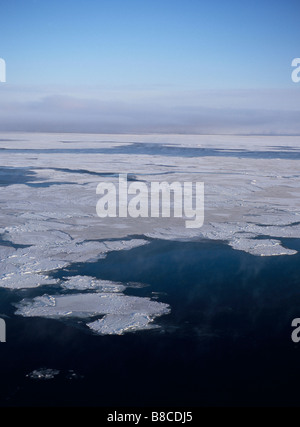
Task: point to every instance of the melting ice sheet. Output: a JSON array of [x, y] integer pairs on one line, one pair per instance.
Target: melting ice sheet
[[26, 267], [48, 211]]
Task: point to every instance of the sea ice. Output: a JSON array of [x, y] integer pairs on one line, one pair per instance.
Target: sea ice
[[117, 324], [20, 267], [123, 312], [252, 201], [82, 283], [88, 305], [261, 247]]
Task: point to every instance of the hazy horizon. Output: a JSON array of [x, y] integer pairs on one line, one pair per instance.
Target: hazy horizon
[[150, 67]]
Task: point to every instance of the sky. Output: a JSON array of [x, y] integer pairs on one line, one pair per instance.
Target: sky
[[188, 66]]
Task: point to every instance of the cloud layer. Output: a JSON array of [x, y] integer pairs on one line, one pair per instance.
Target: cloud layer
[[130, 110]]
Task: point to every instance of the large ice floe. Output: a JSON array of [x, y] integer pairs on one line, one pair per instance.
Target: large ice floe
[[48, 215], [121, 312]]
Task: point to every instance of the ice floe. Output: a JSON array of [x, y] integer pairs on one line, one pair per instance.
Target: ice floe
[[117, 324], [122, 313], [82, 283], [88, 305]]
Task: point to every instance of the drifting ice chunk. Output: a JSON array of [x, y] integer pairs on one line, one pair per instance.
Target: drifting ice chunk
[[128, 312], [87, 305], [43, 374], [23, 281]]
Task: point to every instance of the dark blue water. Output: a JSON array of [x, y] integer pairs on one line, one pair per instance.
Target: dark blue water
[[226, 342], [26, 176], [153, 149]]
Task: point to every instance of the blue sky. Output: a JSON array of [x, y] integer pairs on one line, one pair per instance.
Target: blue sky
[[132, 51]]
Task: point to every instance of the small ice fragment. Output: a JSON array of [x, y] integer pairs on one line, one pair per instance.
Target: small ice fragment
[[72, 375], [43, 374]]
